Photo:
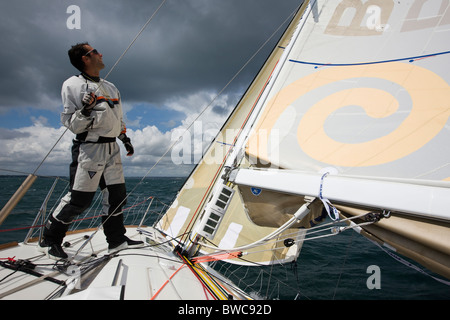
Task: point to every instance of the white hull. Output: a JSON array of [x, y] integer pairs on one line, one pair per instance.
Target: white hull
[[153, 271]]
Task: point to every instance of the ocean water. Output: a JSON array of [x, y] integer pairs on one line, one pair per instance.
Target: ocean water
[[331, 268]]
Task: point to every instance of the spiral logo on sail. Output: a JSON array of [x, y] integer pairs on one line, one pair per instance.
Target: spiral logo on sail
[[330, 90]]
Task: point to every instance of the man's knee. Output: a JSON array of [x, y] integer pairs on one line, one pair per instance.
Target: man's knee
[[81, 200], [74, 204], [117, 195]]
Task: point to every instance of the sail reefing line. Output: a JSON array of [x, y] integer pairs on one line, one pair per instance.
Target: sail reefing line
[[327, 204]]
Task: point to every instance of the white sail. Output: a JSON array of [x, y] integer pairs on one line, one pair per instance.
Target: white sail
[[365, 97], [361, 97]]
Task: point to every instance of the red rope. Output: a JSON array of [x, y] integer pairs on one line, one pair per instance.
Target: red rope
[[206, 289], [216, 257], [9, 259]]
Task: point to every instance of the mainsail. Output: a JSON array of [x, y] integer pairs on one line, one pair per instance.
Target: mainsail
[[351, 111]]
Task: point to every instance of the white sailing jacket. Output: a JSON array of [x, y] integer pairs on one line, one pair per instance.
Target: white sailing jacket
[[106, 119]]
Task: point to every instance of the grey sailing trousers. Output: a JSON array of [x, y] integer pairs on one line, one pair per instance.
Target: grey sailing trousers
[[93, 165]]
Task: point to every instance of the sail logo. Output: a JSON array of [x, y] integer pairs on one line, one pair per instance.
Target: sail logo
[[256, 191], [307, 131]]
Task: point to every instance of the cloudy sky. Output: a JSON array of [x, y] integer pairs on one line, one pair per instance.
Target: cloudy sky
[[185, 56]]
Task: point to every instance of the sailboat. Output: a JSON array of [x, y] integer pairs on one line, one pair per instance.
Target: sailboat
[[345, 125]]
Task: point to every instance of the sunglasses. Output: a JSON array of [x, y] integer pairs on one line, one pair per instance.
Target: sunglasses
[[92, 51]]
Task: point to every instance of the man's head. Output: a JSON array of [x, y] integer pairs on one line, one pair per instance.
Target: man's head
[[86, 59]]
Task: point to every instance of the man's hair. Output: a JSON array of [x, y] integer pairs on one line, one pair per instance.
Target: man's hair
[[76, 53]]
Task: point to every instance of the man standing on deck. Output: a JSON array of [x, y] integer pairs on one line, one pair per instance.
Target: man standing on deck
[[92, 111]]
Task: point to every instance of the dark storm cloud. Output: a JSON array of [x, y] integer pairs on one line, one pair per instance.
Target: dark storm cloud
[[186, 55], [190, 45]]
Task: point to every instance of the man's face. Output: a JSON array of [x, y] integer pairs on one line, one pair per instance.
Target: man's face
[[93, 59]]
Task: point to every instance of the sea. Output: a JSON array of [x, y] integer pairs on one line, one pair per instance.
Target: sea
[[342, 267]]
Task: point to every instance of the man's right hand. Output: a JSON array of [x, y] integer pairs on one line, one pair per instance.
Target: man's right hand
[[89, 99]]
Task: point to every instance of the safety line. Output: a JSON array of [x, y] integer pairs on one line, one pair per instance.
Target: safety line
[[76, 220], [410, 59]]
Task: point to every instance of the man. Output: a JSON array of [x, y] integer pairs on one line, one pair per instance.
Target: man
[[92, 111]]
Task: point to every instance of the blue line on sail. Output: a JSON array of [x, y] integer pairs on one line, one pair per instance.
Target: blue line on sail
[[226, 144], [411, 59]]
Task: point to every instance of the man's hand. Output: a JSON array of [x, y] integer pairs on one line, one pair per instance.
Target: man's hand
[[127, 143], [89, 99]]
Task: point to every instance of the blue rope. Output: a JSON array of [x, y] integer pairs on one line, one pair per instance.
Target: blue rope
[[410, 59]]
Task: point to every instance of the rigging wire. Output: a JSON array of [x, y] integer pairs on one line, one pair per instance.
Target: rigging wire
[[214, 178], [343, 265], [136, 37], [211, 102], [220, 93]]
